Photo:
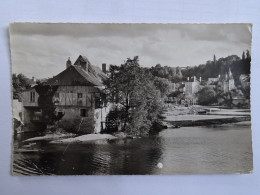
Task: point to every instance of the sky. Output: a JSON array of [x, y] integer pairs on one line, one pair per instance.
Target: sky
[[42, 49]]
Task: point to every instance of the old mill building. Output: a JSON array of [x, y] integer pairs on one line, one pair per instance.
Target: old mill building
[[78, 96]]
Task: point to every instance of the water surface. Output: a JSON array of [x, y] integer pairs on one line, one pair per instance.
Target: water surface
[[188, 150]]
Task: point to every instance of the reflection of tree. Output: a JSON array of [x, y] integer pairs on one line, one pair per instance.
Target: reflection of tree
[[138, 156]]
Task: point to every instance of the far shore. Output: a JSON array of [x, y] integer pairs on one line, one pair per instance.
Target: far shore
[[179, 116]]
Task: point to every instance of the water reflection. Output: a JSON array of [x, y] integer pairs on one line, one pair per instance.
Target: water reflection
[[125, 156], [187, 150]]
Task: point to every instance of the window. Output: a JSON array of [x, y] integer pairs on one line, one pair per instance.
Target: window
[[88, 100], [79, 95], [32, 96], [60, 114], [83, 112]]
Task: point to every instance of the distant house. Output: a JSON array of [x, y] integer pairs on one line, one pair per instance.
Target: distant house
[[244, 80], [239, 100], [212, 81], [79, 96], [223, 83], [226, 83], [192, 87]]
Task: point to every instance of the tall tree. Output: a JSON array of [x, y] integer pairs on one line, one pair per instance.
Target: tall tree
[[243, 56], [133, 89]]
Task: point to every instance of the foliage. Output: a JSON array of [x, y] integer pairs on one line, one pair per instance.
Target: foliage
[[227, 98], [173, 74], [206, 96], [210, 69], [74, 126], [134, 88], [162, 85], [19, 83], [45, 102]]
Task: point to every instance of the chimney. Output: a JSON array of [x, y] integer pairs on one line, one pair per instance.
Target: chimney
[[104, 68], [33, 79], [68, 63]]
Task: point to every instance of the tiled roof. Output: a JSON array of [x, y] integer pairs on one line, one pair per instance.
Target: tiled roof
[[90, 77], [75, 75]]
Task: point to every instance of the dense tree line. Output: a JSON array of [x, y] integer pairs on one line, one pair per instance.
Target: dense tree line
[[173, 74], [210, 69]]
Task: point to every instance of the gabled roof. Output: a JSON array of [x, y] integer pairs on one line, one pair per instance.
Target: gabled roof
[[90, 67], [74, 75], [88, 76]]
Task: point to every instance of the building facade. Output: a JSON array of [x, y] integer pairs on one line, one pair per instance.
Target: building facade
[[192, 87], [78, 97], [226, 83]]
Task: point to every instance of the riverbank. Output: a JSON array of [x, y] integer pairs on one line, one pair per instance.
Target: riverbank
[[177, 116], [204, 122], [50, 137], [84, 139]]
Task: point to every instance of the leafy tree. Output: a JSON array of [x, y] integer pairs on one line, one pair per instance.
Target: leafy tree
[[243, 56], [19, 83], [162, 85], [133, 88], [206, 96]]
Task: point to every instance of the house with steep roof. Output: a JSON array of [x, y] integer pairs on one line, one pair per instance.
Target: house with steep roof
[[79, 96]]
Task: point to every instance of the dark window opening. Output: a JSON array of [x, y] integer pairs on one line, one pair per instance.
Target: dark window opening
[[79, 95], [32, 96], [60, 114], [98, 102], [83, 112]]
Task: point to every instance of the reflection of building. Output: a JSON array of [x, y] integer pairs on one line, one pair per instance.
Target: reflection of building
[[78, 96]]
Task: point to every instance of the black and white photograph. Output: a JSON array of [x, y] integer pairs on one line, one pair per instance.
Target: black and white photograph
[[131, 99]]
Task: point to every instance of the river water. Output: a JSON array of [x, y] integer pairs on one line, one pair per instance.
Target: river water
[[216, 149]]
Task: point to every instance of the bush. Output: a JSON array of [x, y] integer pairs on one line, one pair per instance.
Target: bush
[[75, 126]]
